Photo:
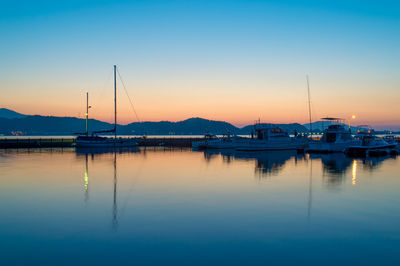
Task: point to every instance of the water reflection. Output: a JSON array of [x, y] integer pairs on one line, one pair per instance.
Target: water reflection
[[115, 208], [267, 163], [94, 152], [336, 166], [105, 150], [310, 191], [354, 173], [86, 179], [372, 163], [182, 204]]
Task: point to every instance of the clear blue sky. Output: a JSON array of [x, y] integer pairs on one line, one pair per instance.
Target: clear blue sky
[[225, 60]]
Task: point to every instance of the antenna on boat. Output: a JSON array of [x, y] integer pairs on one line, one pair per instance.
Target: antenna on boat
[[115, 102], [309, 104]]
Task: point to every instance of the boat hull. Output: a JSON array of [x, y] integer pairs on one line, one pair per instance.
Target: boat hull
[[219, 143], [211, 145], [105, 143]]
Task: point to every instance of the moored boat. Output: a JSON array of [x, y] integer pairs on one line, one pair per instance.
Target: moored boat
[[103, 142], [269, 137], [211, 141], [93, 141], [370, 145], [335, 138]]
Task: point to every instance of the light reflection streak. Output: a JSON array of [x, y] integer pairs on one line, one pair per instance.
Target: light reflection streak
[[86, 181], [354, 173]]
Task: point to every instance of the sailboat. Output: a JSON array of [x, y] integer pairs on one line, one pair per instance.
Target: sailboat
[[95, 141]]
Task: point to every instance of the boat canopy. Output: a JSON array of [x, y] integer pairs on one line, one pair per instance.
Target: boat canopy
[[334, 119]]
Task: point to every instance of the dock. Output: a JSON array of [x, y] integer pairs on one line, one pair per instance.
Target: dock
[[54, 142]]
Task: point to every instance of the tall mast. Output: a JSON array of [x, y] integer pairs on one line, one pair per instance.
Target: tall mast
[[309, 105], [87, 112], [115, 101]]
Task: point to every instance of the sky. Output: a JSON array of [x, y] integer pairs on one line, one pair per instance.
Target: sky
[[236, 61]]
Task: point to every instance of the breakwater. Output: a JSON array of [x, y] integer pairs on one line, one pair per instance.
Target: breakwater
[[54, 142]]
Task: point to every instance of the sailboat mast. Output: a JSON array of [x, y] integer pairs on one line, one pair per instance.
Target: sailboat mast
[[115, 101], [87, 112], [309, 104]]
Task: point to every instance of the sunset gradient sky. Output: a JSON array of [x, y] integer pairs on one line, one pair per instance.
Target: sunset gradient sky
[[235, 61]]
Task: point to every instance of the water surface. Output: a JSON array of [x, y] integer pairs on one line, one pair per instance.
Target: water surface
[[177, 206]]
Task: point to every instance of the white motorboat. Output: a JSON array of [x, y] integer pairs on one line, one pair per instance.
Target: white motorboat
[[93, 141], [269, 137], [391, 139], [370, 145], [211, 141], [335, 138]]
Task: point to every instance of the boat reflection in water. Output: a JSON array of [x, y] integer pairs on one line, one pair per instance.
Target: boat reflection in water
[[104, 150], [334, 167], [267, 163], [98, 152], [372, 163], [337, 166]]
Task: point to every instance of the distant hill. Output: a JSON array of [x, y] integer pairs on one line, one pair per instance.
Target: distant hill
[[12, 122], [191, 126], [48, 125], [10, 114]]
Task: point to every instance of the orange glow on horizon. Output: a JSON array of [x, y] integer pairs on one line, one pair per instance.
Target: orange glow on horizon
[[273, 101]]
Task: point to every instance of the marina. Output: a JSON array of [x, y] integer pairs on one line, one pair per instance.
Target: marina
[[196, 142], [200, 133]]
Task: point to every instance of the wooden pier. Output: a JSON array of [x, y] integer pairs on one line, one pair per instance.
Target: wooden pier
[[40, 142]]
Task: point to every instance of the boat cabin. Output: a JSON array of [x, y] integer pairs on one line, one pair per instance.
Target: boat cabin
[[335, 133], [265, 132]]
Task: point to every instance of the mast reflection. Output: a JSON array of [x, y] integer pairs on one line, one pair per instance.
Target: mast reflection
[[86, 179], [95, 152], [115, 208], [309, 192]]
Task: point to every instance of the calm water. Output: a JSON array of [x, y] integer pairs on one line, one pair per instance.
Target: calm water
[[155, 206]]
